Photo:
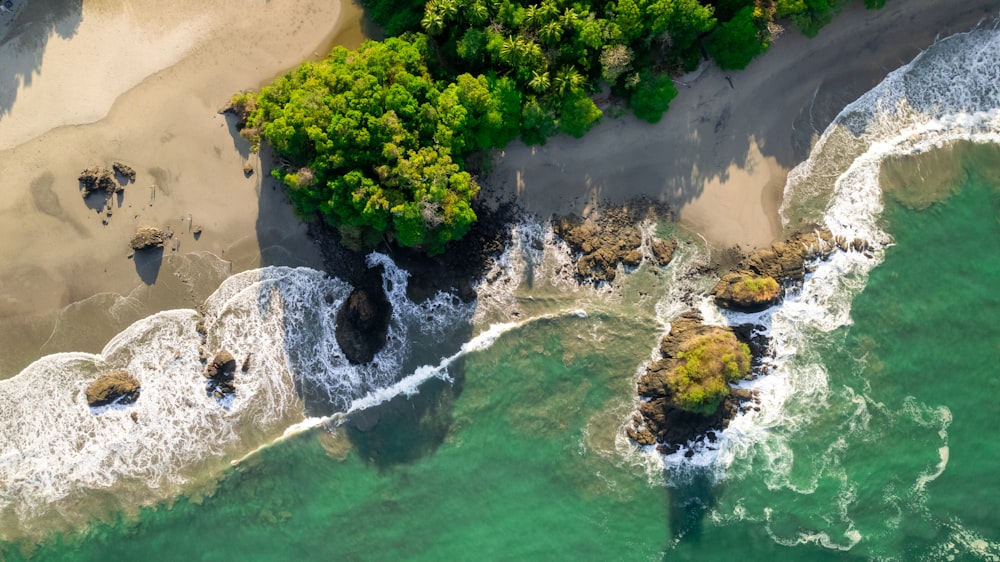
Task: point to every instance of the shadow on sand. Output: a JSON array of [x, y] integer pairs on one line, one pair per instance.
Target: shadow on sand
[[27, 39]]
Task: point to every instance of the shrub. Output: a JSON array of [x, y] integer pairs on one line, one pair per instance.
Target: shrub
[[652, 96], [700, 380]]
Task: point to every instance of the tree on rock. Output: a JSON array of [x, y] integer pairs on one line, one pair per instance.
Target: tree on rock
[[704, 370]]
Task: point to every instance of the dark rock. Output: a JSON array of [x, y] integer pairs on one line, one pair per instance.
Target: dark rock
[[786, 261], [124, 170], [148, 237], [221, 375], [606, 239], [113, 386], [659, 416], [363, 323], [747, 292], [98, 179], [246, 363], [663, 251], [223, 366]]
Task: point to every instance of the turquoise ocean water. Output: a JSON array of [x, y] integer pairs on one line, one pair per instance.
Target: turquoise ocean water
[[875, 440]]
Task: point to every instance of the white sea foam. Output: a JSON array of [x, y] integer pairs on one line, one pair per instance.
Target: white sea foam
[[56, 449], [950, 92]]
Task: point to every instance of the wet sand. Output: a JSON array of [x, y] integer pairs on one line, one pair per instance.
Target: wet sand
[[721, 155], [140, 82]]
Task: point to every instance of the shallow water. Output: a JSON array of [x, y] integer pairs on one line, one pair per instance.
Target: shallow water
[[873, 440]]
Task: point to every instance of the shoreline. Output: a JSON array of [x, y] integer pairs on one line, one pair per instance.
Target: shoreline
[[720, 156], [159, 114]]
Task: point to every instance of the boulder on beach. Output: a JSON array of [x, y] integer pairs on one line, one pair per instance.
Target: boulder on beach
[[124, 170], [148, 237], [747, 292], [98, 179], [785, 261], [113, 386]]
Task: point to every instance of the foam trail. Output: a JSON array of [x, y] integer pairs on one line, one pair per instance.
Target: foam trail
[[58, 456], [950, 92], [410, 385]]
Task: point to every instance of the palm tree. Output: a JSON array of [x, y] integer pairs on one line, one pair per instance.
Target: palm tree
[[539, 81], [551, 32], [477, 12], [433, 20], [568, 80]]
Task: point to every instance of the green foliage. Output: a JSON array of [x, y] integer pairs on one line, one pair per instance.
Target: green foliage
[[651, 97], [736, 42], [755, 284], [376, 143], [701, 380], [395, 16], [578, 115]]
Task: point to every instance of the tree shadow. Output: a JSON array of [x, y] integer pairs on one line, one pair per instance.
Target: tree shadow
[[779, 107], [24, 46]]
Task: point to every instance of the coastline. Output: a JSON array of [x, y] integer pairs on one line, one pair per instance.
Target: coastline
[[719, 157], [721, 154], [149, 96]]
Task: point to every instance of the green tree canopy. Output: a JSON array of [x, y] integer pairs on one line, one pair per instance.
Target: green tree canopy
[[374, 142]]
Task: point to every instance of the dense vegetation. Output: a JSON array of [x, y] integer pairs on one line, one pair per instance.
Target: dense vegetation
[[376, 140], [701, 379], [376, 145]]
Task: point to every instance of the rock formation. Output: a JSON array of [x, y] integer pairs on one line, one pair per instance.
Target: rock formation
[[113, 386], [98, 180], [607, 239], [124, 170], [363, 323], [668, 417], [148, 237], [756, 282], [747, 292], [221, 375]]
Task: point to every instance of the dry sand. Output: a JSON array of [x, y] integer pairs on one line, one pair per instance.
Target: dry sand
[[721, 155], [141, 82]]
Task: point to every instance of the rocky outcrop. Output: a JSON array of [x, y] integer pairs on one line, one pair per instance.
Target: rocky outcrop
[[786, 260], [148, 237], [114, 386], [221, 375], [607, 239], [665, 418], [98, 179], [662, 250], [747, 292], [757, 280], [363, 324], [123, 170]]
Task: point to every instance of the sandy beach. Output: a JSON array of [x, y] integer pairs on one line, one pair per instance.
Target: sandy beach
[[142, 82], [721, 155]]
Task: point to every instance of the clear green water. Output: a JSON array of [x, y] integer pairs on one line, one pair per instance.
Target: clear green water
[[517, 460]]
